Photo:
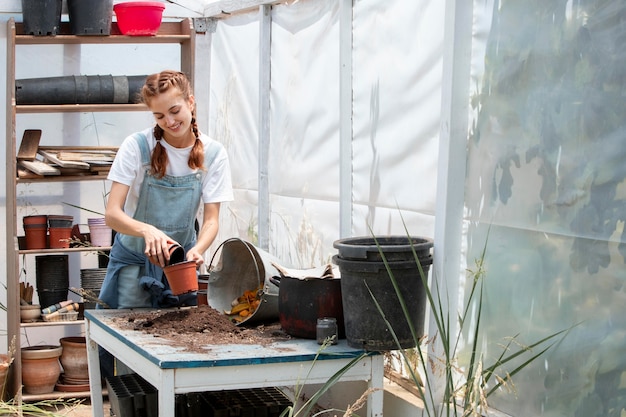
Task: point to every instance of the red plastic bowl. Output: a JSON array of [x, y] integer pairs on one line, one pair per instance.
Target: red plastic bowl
[[139, 18]]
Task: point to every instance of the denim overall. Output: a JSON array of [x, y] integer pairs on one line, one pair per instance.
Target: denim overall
[[170, 204]]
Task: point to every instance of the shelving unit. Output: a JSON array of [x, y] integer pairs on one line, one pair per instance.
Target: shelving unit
[[181, 33]]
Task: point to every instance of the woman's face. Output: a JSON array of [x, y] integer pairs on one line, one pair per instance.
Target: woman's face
[[173, 114]]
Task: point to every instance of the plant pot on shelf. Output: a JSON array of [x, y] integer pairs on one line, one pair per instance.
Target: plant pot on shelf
[[52, 279], [59, 237], [90, 17], [99, 233], [41, 17], [36, 231], [74, 360], [40, 368], [364, 275]]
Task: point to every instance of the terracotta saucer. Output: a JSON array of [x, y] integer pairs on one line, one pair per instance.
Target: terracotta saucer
[[71, 388]]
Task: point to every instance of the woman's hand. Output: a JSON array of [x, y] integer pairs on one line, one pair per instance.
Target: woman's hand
[[157, 245], [195, 255]]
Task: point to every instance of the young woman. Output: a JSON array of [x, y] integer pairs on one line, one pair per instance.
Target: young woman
[[159, 177]]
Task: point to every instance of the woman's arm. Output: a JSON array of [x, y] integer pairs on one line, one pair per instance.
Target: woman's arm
[[208, 232], [157, 242]]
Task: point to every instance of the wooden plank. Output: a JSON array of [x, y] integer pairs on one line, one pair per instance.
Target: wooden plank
[[29, 145], [39, 167], [65, 164], [86, 156]]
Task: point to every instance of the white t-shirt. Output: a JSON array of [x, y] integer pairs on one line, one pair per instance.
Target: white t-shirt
[[128, 169]]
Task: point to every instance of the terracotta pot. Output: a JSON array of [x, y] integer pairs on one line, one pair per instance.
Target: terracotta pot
[[4, 371], [40, 368], [39, 219], [182, 277], [36, 236], [60, 237], [203, 285], [74, 359]]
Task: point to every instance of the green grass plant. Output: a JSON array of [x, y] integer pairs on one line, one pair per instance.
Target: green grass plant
[[450, 389]]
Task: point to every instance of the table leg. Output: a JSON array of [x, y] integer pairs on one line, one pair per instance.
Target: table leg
[[95, 381], [167, 397], [375, 402]]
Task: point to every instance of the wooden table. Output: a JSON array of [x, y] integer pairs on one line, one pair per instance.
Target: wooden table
[[173, 370]]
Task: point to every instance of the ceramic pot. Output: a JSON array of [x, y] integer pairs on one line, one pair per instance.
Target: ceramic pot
[[74, 360], [40, 368], [182, 277], [30, 313]]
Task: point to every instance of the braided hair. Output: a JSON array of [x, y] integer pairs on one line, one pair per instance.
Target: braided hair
[[157, 84]]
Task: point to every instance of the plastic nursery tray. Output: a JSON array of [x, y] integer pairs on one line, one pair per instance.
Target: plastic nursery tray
[[69, 316], [132, 396]]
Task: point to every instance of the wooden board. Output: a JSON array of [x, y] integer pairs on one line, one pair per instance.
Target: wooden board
[[52, 157], [40, 168], [29, 145]]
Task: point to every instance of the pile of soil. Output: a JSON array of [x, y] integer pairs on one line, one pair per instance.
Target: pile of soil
[[200, 326]]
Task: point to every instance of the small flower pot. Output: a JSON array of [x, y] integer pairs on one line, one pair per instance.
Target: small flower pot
[[182, 277], [60, 237]]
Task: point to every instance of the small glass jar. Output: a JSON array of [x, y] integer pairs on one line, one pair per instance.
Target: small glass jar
[[326, 327]]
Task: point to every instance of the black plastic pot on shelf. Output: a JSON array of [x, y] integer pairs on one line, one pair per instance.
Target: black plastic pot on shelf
[[90, 17], [52, 279], [41, 17], [79, 89]]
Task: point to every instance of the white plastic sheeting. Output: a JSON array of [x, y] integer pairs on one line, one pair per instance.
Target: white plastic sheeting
[[545, 189], [395, 118]]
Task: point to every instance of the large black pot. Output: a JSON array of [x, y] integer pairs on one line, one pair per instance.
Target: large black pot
[[368, 289], [302, 301]]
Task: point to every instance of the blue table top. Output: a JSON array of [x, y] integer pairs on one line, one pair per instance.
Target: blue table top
[[167, 353]]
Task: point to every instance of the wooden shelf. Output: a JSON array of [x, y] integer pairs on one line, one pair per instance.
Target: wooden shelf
[[68, 250], [77, 108], [52, 323], [179, 33], [169, 32]]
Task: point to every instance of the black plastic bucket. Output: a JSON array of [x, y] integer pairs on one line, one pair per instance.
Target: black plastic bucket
[[364, 324], [52, 278], [90, 17], [395, 248], [41, 17], [79, 89]]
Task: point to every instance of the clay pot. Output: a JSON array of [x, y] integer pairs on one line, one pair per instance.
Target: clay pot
[[203, 285], [4, 371], [40, 368], [182, 277], [60, 237], [74, 360]]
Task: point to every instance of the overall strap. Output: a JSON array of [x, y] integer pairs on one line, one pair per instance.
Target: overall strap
[[142, 141]]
